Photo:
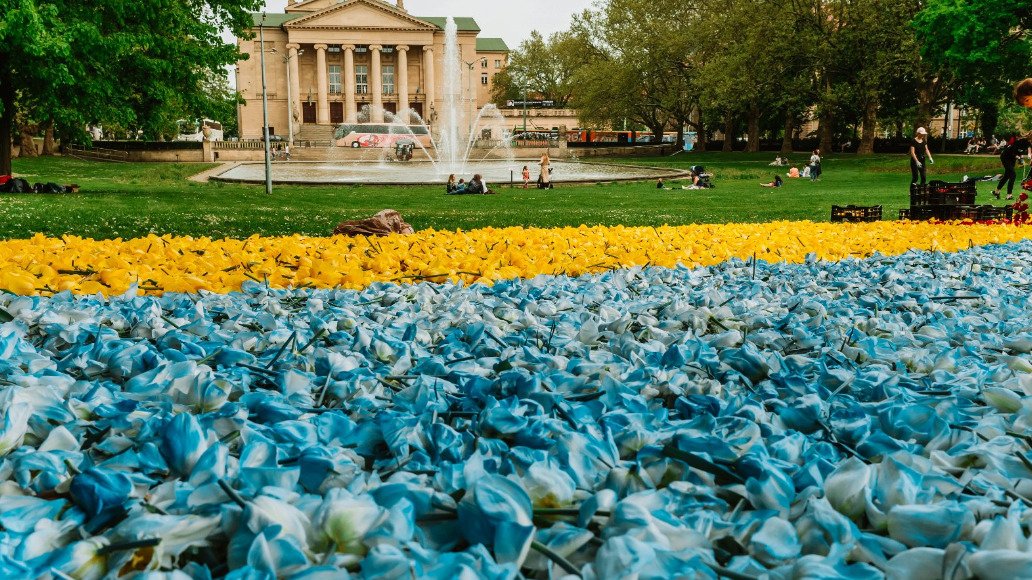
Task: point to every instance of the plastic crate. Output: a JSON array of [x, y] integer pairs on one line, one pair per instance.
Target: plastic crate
[[995, 213], [925, 212], [942, 198], [904, 214], [856, 213], [963, 212], [942, 193]]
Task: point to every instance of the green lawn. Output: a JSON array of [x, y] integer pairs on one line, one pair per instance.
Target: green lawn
[[129, 200]]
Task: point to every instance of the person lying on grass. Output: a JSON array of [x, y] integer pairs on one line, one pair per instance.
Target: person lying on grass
[[776, 183]]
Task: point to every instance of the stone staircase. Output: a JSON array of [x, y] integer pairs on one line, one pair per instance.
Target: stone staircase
[[316, 135]]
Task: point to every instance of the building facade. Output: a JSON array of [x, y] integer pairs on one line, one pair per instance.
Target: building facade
[[329, 62]]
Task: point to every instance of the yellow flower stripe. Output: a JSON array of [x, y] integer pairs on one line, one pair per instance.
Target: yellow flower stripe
[[43, 265]]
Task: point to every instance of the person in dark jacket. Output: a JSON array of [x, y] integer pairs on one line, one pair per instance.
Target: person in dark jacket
[[1018, 147]]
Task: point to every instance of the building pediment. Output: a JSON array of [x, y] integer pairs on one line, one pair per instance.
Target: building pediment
[[358, 14]]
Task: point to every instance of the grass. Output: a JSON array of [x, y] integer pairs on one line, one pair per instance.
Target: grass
[[131, 200]]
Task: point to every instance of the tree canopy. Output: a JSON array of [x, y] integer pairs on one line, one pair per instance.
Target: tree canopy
[[852, 65], [143, 63]]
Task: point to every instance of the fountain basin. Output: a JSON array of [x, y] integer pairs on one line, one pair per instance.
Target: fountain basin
[[426, 173]]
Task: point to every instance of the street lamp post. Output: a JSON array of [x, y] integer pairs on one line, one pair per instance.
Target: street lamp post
[[469, 87], [265, 111], [524, 111], [290, 99]]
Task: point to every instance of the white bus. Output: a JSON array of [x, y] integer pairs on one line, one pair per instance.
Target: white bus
[[205, 130]]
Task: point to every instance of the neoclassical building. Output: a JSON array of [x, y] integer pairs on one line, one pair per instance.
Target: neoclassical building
[[326, 60]]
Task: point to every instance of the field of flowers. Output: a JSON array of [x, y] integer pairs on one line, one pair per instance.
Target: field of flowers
[[154, 264], [793, 400]]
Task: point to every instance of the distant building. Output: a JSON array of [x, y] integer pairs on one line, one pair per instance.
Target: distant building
[[326, 60]]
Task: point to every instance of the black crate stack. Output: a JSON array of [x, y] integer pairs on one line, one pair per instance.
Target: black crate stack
[[950, 201], [856, 213]]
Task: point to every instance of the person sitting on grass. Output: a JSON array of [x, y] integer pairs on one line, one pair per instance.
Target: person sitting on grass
[[478, 185], [459, 188], [794, 172], [451, 185], [776, 183]]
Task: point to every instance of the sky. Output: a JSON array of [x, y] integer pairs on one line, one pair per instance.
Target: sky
[[511, 21]]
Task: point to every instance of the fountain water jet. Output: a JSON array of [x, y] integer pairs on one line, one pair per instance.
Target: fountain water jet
[[459, 146]]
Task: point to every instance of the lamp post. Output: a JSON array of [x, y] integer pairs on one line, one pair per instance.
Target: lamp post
[[524, 111], [290, 98], [469, 87], [265, 112]]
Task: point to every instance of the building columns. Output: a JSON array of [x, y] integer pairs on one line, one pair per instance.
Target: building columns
[[350, 108], [428, 81], [323, 85], [403, 94], [376, 84], [294, 90]]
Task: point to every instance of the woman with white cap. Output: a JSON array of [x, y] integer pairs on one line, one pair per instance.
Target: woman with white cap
[[918, 153]]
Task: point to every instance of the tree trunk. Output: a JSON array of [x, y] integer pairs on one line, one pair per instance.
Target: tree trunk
[[989, 119], [729, 129], [27, 132], [6, 123], [49, 145], [754, 129], [700, 131], [870, 128], [786, 141], [824, 132], [927, 95]]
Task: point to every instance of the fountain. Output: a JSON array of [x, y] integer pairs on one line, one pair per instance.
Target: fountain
[[464, 143]]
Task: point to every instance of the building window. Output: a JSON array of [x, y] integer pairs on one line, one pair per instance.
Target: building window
[[388, 79], [498, 63], [335, 49], [361, 79], [483, 63], [360, 49], [335, 79], [387, 49], [483, 79]]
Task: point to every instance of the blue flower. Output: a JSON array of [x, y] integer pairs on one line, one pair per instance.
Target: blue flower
[[99, 490], [497, 513]]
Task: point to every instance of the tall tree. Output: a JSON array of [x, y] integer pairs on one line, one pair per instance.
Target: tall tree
[[984, 44], [641, 69], [542, 67], [137, 62]]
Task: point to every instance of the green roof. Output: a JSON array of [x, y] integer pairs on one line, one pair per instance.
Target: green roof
[[491, 45], [465, 23], [274, 20]]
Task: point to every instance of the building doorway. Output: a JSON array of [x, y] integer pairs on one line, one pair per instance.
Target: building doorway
[[336, 113], [308, 112]]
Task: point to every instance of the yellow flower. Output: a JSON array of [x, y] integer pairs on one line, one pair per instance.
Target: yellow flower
[[166, 263]]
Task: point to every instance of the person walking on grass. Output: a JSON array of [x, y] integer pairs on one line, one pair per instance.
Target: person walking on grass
[[919, 155], [1018, 147]]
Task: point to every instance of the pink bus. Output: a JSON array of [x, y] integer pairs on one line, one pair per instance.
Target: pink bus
[[358, 135]]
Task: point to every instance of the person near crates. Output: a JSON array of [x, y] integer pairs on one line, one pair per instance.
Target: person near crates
[[919, 156], [1015, 148]]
